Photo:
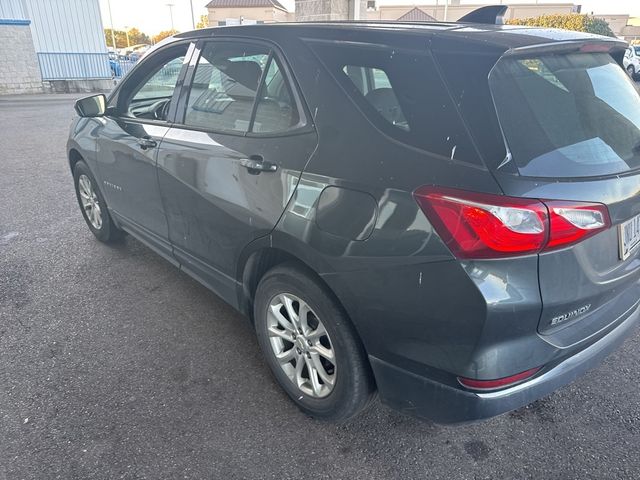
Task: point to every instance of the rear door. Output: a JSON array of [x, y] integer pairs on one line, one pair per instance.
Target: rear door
[[230, 164], [572, 125]]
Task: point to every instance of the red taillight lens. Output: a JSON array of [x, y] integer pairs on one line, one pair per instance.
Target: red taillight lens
[[481, 225], [497, 383], [572, 222]]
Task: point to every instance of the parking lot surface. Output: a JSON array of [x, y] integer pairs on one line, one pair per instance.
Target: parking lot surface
[[113, 364]]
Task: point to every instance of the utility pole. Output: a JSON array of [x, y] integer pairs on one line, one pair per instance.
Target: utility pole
[[193, 19], [170, 5], [126, 32], [113, 34], [446, 9]]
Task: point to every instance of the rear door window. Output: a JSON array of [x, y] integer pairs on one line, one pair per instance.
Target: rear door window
[[241, 87], [224, 86], [276, 109], [402, 94], [574, 115]]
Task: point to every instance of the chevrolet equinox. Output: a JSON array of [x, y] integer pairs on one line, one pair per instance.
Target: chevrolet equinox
[[447, 214]]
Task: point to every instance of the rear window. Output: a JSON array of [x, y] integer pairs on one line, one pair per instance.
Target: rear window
[[574, 115], [402, 94]]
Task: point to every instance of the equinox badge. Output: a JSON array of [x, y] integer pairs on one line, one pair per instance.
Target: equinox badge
[[569, 315]]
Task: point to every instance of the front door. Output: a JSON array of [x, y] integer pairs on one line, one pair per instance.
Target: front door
[[230, 166], [137, 120]]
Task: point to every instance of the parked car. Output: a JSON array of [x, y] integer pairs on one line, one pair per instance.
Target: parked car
[[447, 214], [631, 61], [114, 64]]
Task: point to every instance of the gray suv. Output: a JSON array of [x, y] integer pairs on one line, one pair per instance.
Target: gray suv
[[447, 214]]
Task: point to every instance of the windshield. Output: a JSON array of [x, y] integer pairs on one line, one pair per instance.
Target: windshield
[[637, 49], [574, 115]]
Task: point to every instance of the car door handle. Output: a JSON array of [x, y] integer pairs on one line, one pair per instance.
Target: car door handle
[[147, 142], [256, 164]]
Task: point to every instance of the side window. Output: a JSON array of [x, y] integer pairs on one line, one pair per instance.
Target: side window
[[150, 95], [374, 85], [240, 87], [225, 85], [402, 94], [276, 110]]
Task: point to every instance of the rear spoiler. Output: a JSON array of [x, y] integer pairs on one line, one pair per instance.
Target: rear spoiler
[[611, 46], [491, 14]]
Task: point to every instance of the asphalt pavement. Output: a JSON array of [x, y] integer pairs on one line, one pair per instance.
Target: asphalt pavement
[[113, 364]]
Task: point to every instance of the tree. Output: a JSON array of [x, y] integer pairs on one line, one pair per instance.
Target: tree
[[121, 38], [162, 35], [204, 21], [135, 37], [571, 21]]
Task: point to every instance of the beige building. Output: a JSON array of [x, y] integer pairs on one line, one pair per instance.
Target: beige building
[[455, 10], [235, 12], [623, 26]]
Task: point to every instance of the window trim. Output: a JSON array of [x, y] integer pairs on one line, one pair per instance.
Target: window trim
[[305, 125], [114, 97]]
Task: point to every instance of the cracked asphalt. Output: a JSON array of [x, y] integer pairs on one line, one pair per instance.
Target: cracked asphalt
[[115, 365]]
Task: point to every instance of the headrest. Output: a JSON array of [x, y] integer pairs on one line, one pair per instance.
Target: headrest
[[246, 73], [386, 103]]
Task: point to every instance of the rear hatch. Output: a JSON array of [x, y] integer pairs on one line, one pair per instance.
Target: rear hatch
[[571, 123]]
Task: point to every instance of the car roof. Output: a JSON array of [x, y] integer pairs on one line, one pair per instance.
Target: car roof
[[504, 36]]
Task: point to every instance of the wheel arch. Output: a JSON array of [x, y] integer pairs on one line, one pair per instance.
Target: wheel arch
[[74, 157], [264, 256], [256, 262]]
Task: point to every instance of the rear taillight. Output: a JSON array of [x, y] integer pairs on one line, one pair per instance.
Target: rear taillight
[[480, 225], [572, 222]]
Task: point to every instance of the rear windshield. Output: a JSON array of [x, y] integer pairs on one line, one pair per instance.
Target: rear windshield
[[574, 115]]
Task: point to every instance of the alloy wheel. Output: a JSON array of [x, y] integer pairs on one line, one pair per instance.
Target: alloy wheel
[[89, 201], [301, 345]]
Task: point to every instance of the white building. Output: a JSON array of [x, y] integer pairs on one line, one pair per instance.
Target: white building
[[55, 45]]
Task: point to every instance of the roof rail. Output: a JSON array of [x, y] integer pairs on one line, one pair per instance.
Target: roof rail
[[491, 14]]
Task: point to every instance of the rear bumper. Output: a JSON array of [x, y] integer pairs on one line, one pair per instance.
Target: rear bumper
[[425, 398]]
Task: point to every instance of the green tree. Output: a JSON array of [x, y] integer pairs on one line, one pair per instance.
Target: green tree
[[571, 21], [135, 37], [121, 38], [162, 35], [204, 21]]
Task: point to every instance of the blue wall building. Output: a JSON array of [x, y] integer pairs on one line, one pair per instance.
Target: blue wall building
[[67, 39]]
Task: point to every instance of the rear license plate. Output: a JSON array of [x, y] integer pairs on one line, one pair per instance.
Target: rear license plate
[[629, 236]]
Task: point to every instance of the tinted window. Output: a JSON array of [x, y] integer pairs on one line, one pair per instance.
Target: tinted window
[[148, 92], [163, 82], [224, 87], [572, 115], [374, 85], [402, 94], [276, 111]]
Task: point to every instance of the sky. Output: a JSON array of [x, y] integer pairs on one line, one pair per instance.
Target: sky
[[152, 16]]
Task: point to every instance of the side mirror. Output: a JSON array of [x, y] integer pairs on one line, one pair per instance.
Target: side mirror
[[93, 106]]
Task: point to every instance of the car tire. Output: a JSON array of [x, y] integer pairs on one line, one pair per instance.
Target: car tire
[[631, 71], [93, 205], [324, 390]]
